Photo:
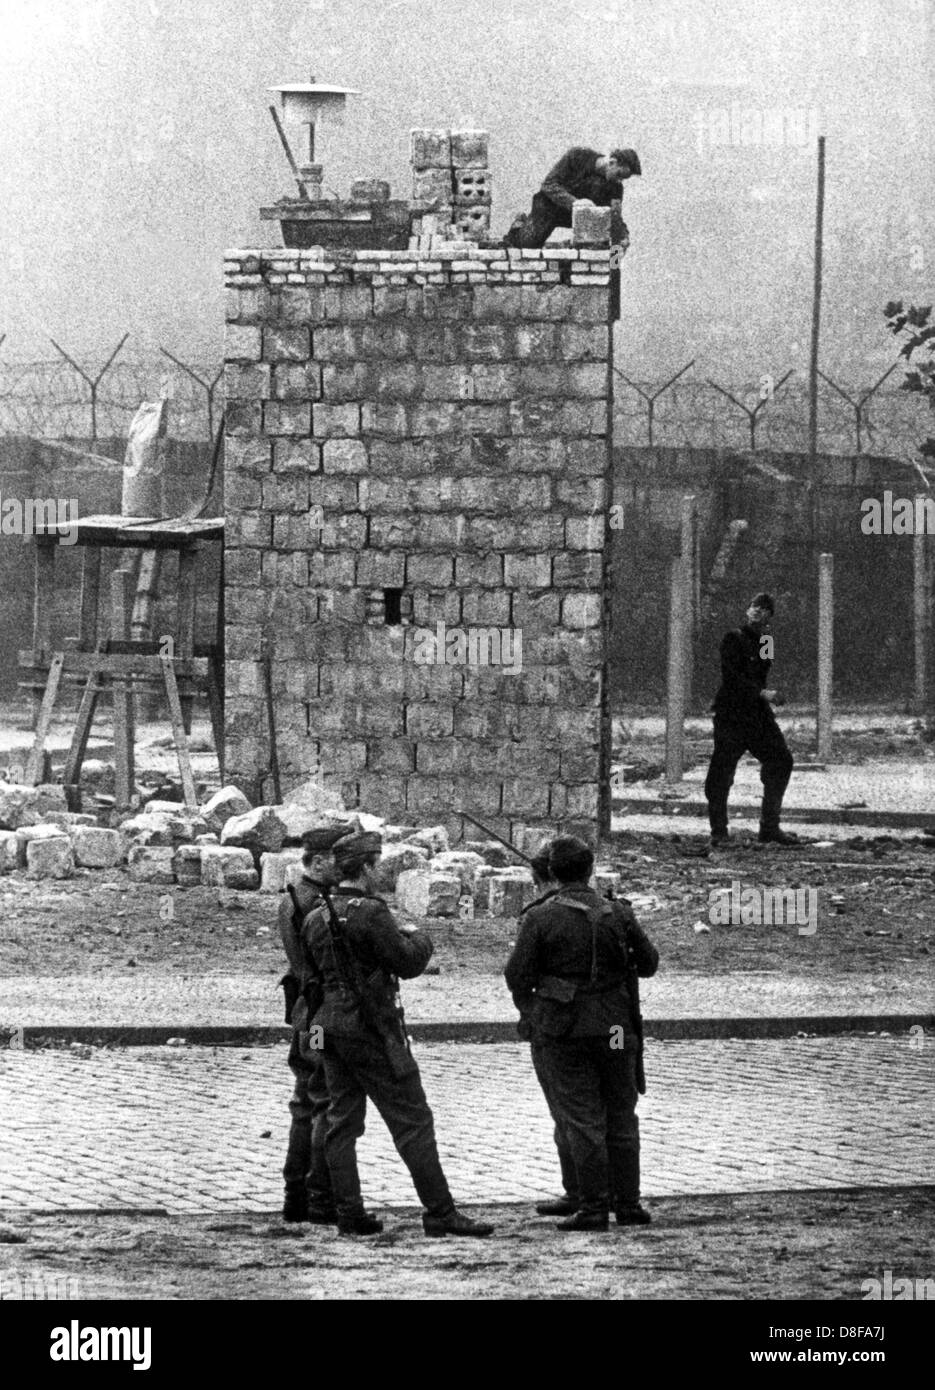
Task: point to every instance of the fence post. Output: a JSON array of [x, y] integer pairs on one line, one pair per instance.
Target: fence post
[[689, 528], [921, 607], [825, 653], [675, 696]]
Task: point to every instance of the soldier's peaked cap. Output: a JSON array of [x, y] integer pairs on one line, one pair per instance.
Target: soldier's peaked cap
[[355, 846], [321, 840]]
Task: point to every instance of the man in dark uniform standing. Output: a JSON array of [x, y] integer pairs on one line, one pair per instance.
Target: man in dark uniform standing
[[305, 1172], [744, 723], [359, 953], [565, 1205], [581, 173], [569, 974]]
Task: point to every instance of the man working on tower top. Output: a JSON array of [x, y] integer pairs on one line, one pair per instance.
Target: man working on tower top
[[579, 174]]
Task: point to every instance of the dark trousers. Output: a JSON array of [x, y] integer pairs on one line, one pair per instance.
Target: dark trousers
[[539, 225], [565, 1161], [305, 1168], [356, 1070], [763, 739], [593, 1088]]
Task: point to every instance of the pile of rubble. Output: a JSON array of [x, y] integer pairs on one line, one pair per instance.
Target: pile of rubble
[[226, 843]]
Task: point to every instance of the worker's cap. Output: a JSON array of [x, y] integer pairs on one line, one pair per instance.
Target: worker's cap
[[351, 847], [322, 840], [763, 600], [628, 157]]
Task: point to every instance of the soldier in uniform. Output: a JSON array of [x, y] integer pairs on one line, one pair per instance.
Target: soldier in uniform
[[568, 1202], [359, 953], [305, 1172], [569, 973], [744, 723]]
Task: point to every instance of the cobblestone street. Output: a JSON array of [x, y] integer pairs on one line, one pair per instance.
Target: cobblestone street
[[204, 1129]]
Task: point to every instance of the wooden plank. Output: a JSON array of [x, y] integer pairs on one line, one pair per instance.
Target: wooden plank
[[122, 696], [34, 763], [79, 739], [44, 594], [218, 666], [216, 711], [143, 535], [128, 664], [185, 621], [147, 590], [90, 598], [179, 734]]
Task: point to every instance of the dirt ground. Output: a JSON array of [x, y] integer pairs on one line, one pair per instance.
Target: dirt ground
[[755, 1246], [876, 912]]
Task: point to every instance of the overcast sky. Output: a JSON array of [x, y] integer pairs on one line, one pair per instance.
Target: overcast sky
[[137, 146]]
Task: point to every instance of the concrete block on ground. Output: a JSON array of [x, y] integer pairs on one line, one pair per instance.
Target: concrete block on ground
[[225, 866], [590, 225], [491, 852], [218, 809], [422, 893], [96, 848], [12, 851], [66, 820], [397, 859], [147, 828], [482, 887], [434, 838], [509, 892], [186, 863], [460, 862], [275, 868], [151, 863], [50, 857], [51, 797], [261, 831], [19, 805]]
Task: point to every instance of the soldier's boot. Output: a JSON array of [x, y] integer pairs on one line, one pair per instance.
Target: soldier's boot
[[295, 1206], [359, 1223], [321, 1215], [774, 836], [585, 1221], [454, 1223], [561, 1206], [634, 1215]]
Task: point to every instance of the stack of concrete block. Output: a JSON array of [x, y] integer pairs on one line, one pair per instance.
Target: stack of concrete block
[[450, 169]]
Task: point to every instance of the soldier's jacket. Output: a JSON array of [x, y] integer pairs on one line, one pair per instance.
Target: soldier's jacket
[[301, 979], [568, 970], [383, 954]]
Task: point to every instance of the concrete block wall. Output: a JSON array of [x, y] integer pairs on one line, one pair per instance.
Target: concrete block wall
[[414, 441]]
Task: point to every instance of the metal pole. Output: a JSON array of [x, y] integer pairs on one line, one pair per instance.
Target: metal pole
[[689, 525], [675, 700], [816, 312], [921, 616], [825, 652]]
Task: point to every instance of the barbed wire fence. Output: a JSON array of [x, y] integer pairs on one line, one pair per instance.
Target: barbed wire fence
[[770, 414], [69, 397]]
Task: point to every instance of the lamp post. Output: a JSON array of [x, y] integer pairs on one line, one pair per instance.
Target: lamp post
[[310, 103]]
